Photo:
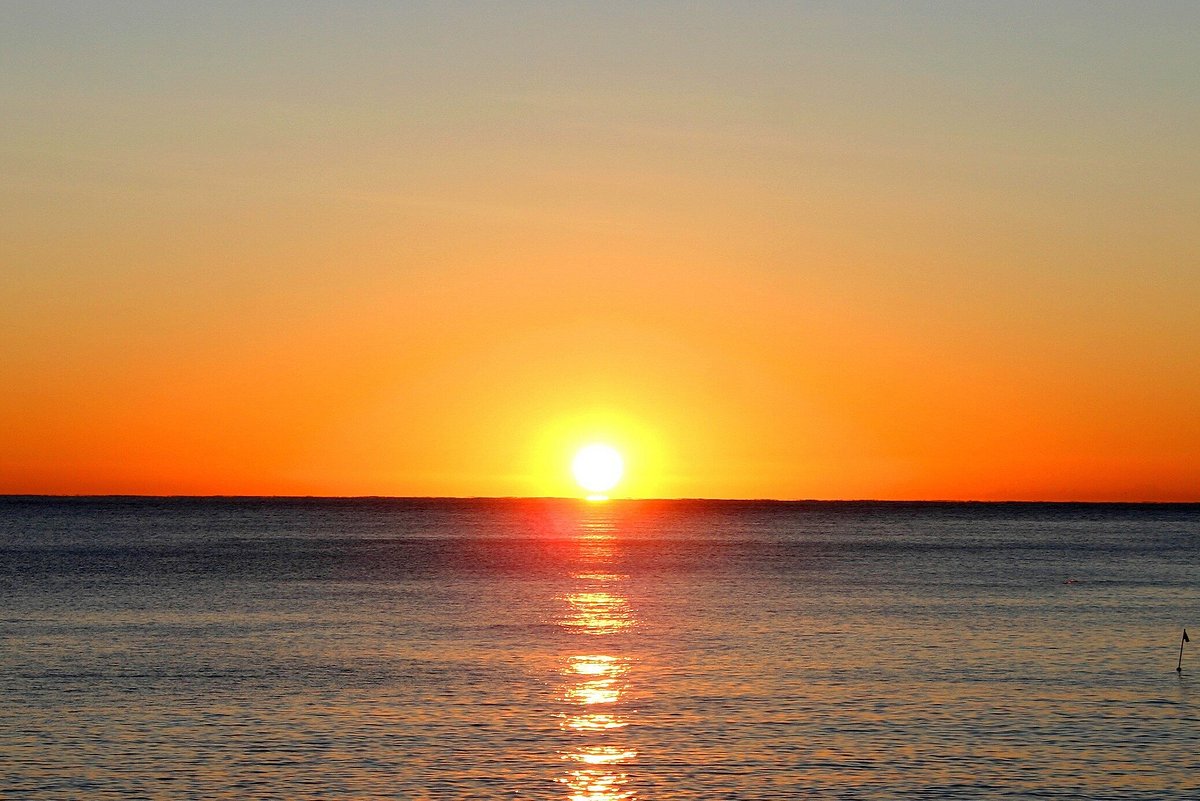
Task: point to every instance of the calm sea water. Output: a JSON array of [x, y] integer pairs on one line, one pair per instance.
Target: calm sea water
[[361, 649]]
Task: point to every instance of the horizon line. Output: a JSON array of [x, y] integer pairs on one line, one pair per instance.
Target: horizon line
[[218, 496]]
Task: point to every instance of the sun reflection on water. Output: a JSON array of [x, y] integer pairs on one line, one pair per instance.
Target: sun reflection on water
[[595, 665], [594, 721], [598, 612], [594, 684], [597, 785], [594, 692], [595, 679]]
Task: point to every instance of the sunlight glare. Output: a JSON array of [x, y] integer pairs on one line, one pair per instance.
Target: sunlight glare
[[597, 469]]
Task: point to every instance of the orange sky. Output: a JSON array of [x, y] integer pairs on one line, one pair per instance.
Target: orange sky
[[870, 251]]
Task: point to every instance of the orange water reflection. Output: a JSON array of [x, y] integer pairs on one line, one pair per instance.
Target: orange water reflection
[[598, 612], [597, 785], [593, 684], [594, 679]]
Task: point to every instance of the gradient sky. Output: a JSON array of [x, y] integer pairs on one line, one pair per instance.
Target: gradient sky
[[794, 250]]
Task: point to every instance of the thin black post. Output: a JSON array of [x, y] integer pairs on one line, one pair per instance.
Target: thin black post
[[1182, 640]]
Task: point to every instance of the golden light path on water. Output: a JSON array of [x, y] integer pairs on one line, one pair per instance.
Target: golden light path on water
[[594, 680]]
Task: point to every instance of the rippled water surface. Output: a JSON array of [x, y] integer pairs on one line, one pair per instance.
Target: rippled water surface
[[234, 649]]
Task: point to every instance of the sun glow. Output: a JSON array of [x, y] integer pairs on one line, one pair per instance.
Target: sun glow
[[597, 468]]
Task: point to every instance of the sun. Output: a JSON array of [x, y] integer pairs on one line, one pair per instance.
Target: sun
[[597, 468]]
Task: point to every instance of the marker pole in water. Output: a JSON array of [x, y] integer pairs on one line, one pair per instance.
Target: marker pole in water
[[1179, 667]]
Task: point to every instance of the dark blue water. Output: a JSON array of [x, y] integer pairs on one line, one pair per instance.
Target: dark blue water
[[222, 649]]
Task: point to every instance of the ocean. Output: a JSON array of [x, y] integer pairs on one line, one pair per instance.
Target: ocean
[[555, 649]]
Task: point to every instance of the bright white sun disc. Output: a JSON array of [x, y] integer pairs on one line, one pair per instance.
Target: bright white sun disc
[[597, 468]]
